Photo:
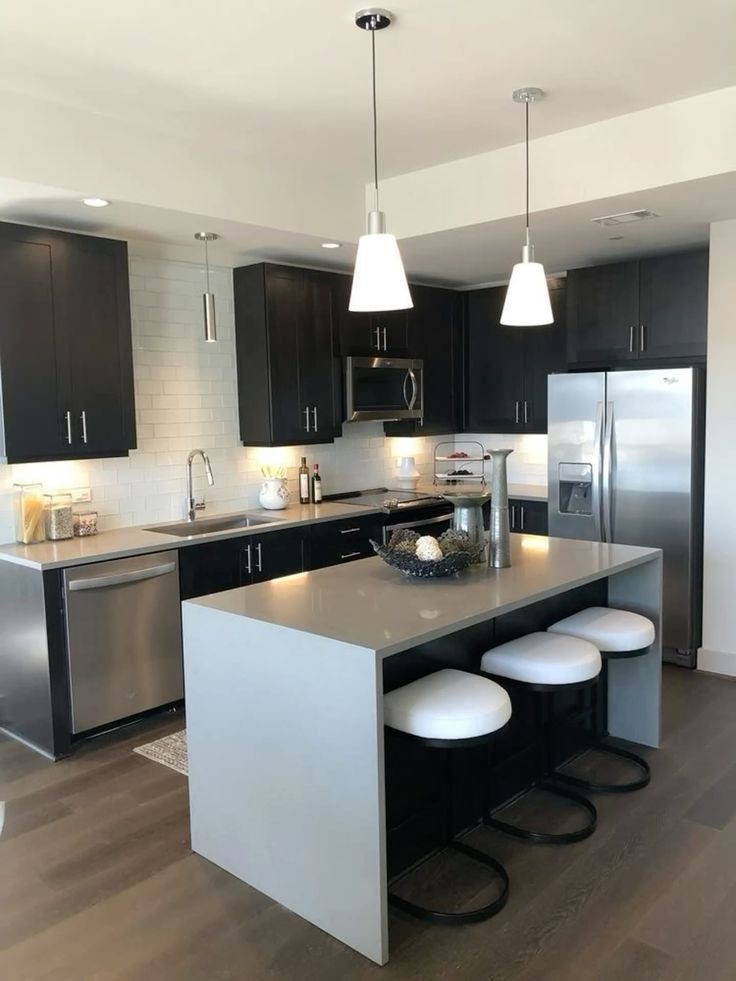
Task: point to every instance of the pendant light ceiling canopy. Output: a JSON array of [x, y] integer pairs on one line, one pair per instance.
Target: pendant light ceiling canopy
[[208, 298], [379, 280], [527, 298]]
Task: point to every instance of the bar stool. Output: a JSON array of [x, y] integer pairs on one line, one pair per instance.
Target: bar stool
[[546, 663], [616, 634], [451, 710]]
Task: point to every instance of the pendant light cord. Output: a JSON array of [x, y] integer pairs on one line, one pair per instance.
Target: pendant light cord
[[526, 106], [375, 117]]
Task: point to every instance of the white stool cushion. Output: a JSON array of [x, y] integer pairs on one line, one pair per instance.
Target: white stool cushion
[[610, 630], [448, 704], [544, 659]]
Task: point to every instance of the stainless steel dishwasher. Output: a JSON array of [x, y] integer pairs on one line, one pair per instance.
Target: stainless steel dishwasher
[[123, 633]]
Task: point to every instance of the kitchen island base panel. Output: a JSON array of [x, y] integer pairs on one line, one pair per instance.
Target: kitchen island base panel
[[297, 809]]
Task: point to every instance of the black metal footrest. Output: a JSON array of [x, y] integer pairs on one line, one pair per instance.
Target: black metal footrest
[[471, 916], [544, 838], [611, 788]]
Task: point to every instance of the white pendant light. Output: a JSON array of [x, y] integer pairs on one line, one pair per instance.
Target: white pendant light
[[208, 298], [527, 298], [379, 280]]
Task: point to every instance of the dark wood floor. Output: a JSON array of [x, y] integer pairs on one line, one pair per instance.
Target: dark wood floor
[[97, 880]]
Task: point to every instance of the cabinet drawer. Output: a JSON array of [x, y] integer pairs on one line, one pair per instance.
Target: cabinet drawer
[[344, 541], [529, 517]]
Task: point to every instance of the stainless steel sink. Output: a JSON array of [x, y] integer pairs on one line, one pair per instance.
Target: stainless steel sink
[[205, 526]]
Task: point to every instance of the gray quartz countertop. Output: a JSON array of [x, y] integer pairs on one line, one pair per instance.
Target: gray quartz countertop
[[138, 540], [370, 605]]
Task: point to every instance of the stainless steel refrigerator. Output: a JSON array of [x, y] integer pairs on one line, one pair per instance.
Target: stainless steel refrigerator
[[625, 465]]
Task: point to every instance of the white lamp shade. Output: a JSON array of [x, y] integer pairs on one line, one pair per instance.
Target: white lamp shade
[[527, 298], [379, 280]]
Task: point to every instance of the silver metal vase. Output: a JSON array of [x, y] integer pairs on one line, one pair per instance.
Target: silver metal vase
[[499, 553]]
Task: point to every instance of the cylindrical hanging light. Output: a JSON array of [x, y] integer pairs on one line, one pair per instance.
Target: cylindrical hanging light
[[379, 280], [527, 297], [208, 298]]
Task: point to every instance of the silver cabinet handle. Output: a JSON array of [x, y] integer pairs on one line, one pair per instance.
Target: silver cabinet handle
[[68, 417], [248, 567], [516, 412], [526, 412], [642, 337], [306, 417], [385, 346], [121, 578], [631, 339], [314, 414], [378, 337], [513, 516], [521, 509], [84, 426], [350, 555], [348, 531], [259, 557]]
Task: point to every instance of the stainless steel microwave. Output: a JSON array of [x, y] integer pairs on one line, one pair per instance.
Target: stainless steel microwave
[[383, 389]]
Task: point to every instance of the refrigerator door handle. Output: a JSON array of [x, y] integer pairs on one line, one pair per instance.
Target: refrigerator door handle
[[597, 475], [607, 475]]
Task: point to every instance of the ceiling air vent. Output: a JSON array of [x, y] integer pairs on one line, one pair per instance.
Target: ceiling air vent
[[625, 218]]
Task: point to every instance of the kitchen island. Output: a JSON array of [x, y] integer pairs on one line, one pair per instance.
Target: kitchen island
[[284, 686]]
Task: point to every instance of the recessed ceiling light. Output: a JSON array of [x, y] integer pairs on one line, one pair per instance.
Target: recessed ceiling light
[[615, 238], [95, 202], [331, 245]]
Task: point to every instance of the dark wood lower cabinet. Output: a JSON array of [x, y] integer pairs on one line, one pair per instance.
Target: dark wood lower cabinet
[[335, 542], [529, 517]]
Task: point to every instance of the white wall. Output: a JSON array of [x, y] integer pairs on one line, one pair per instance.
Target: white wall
[[186, 397], [719, 607]]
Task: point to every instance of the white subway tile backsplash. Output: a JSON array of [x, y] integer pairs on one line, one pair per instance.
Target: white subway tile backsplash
[[186, 397]]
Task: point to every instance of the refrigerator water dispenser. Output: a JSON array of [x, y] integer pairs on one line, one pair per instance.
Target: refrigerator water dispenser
[[576, 488]]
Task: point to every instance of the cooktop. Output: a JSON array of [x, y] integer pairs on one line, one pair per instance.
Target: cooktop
[[388, 500]]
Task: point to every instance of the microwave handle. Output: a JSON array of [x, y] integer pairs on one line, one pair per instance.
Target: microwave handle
[[414, 388]]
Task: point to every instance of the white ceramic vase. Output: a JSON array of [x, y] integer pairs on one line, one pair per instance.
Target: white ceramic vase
[[274, 494], [407, 473]]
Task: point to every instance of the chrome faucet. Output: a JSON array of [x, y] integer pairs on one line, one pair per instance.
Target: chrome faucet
[[192, 505]]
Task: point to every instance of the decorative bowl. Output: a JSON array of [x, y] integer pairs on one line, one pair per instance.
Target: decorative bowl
[[449, 565]]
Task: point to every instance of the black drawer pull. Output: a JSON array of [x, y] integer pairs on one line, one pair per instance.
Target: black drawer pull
[[351, 555]]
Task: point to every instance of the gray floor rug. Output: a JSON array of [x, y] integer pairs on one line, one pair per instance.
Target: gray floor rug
[[170, 751]]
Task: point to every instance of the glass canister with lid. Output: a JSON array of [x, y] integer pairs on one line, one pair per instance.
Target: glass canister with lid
[[29, 514], [58, 516]]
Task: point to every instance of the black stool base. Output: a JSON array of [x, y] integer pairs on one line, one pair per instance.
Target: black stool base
[[544, 838], [458, 919], [611, 788]]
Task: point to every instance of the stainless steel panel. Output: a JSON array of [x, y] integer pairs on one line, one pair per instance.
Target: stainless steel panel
[[25, 675], [651, 480], [575, 404], [398, 404], [123, 638]]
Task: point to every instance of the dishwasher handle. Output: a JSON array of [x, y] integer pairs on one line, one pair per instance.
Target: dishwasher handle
[[122, 578]]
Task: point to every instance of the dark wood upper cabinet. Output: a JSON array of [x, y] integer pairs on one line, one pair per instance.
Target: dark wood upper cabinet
[[435, 335], [649, 310], [507, 367], [673, 306], [65, 346], [371, 333], [286, 355]]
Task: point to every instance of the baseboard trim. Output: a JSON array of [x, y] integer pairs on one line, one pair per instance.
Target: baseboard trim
[[717, 662]]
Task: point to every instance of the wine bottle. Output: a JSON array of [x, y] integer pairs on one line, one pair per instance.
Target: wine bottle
[[316, 486], [304, 482]]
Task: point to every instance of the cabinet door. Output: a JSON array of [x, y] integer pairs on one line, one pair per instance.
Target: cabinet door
[[96, 317], [284, 298], [317, 357], [603, 314], [434, 336], [35, 388], [545, 352], [494, 366], [211, 567], [391, 331], [673, 306], [335, 542], [280, 553], [530, 517]]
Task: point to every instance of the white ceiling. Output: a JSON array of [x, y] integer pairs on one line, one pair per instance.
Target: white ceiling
[[286, 85], [289, 79]]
